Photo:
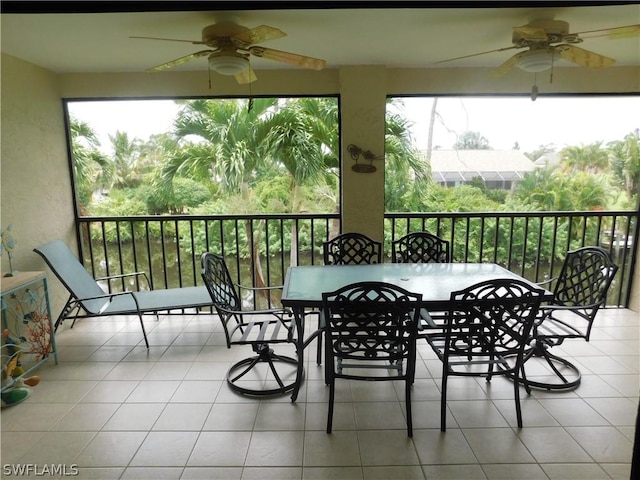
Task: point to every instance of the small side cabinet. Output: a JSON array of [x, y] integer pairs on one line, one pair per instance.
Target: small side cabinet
[[27, 338]]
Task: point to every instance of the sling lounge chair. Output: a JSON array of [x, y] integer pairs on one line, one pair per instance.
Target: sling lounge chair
[[88, 299]]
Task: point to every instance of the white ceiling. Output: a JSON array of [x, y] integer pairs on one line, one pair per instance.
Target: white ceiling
[[402, 37]]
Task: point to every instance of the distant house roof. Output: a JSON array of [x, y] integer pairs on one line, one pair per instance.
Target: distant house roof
[[550, 158], [464, 165]]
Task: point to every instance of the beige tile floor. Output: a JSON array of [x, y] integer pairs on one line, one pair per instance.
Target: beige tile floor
[[118, 411]]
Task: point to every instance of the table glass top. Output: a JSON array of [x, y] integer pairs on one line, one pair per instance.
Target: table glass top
[[435, 281]]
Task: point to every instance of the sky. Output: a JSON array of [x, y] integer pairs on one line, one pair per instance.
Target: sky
[[502, 121], [505, 121], [139, 118]]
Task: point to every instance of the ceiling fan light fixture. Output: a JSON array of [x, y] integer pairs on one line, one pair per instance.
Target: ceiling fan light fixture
[[228, 64], [536, 60]]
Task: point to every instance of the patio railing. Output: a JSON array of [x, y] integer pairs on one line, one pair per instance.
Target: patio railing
[[260, 248]]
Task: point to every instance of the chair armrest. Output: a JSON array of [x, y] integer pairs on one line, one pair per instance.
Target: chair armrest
[[125, 275], [278, 312], [257, 290], [109, 296], [278, 287], [580, 310], [546, 282], [105, 295], [569, 307]]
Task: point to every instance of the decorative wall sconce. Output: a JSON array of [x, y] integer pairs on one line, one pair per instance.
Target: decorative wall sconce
[[367, 156]]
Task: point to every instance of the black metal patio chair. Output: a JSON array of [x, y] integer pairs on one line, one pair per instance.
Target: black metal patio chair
[[265, 373], [423, 247], [486, 332], [350, 248], [370, 334], [580, 290]]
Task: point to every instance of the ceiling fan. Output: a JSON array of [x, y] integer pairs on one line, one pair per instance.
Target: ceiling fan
[[546, 40], [231, 45]]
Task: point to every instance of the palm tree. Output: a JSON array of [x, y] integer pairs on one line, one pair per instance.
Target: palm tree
[[549, 189], [537, 188], [589, 158], [90, 166], [407, 174], [303, 138], [229, 145], [624, 158], [126, 158], [228, 141], [234, 145]]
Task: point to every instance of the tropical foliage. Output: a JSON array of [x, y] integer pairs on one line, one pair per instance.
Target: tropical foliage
[[281, 155]]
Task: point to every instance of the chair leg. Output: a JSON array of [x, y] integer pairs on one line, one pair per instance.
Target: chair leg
[[443, 403], [250, 363], [328, 372], [332, 393], [541, 350], [144, 332], [320, 335], [64, 313], [75, 316], [272, 367], [407, 394], [319, 351], [523, 379], [516, 396], [265, 355]]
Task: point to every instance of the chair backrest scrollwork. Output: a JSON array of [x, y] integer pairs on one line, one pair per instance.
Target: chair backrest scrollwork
[[371, 321], [352, 249], [217, 278], [421, 247], [585, 279]]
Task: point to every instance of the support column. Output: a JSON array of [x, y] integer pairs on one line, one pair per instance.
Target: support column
[[363, 105]]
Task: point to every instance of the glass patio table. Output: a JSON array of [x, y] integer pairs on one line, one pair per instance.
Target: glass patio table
[[304, 285]]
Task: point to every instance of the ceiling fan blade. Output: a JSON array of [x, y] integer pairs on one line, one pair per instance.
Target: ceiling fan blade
[[181, 60], [259, 34], [531, 33], [194, 42], [613, 33], [246, 76], [477, 54], [507, 66], [583, 57], [290, 58]]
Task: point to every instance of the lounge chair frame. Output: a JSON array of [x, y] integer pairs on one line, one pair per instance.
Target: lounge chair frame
[[87, 299]]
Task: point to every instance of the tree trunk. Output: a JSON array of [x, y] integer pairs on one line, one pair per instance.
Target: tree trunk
[[254, 245], [295, 202], [256, 262], [432, 121]]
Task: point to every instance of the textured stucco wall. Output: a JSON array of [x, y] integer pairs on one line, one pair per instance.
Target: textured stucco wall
[[36, 189]]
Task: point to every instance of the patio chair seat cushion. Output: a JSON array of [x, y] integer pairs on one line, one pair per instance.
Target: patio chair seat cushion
[[154, 301]]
